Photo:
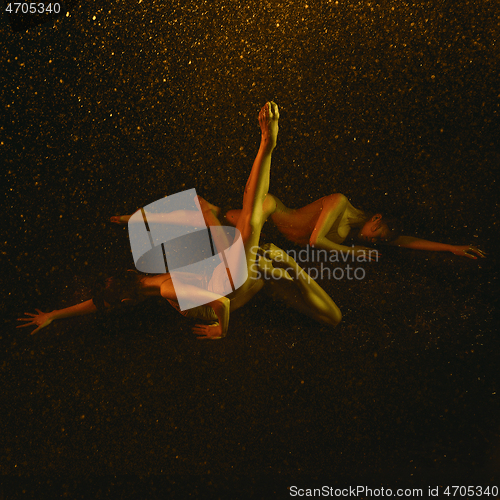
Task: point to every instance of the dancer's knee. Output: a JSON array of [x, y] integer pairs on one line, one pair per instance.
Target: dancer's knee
[[333, 316]]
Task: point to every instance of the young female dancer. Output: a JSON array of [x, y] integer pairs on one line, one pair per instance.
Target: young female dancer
[[294, 286], [327, 222]]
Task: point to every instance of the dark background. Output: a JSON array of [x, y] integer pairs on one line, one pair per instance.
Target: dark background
[[393, 104]]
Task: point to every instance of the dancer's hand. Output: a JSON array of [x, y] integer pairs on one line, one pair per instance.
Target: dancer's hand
[[467, 251], [211, 332], [41, 320], [268, 121]]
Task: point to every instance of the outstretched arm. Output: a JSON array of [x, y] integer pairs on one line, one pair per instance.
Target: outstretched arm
[[418, 244], [178, 217], [41, 319], [191, 218]]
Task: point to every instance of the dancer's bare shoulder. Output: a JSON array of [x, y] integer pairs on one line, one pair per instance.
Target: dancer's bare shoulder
[[340, 229]]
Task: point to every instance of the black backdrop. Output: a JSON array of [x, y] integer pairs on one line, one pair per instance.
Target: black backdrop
[[393, 104]]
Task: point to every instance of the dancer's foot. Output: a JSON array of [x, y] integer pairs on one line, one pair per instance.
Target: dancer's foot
[[206, 206], [268, 121]]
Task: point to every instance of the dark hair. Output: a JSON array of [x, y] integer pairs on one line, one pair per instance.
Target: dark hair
[[395, 228], [114, 289], [356, 224]]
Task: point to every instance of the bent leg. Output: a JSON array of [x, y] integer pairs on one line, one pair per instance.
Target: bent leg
[[302, 292], [272, 206]]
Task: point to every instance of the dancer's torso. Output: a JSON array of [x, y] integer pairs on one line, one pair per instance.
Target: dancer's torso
[[297, 225]]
